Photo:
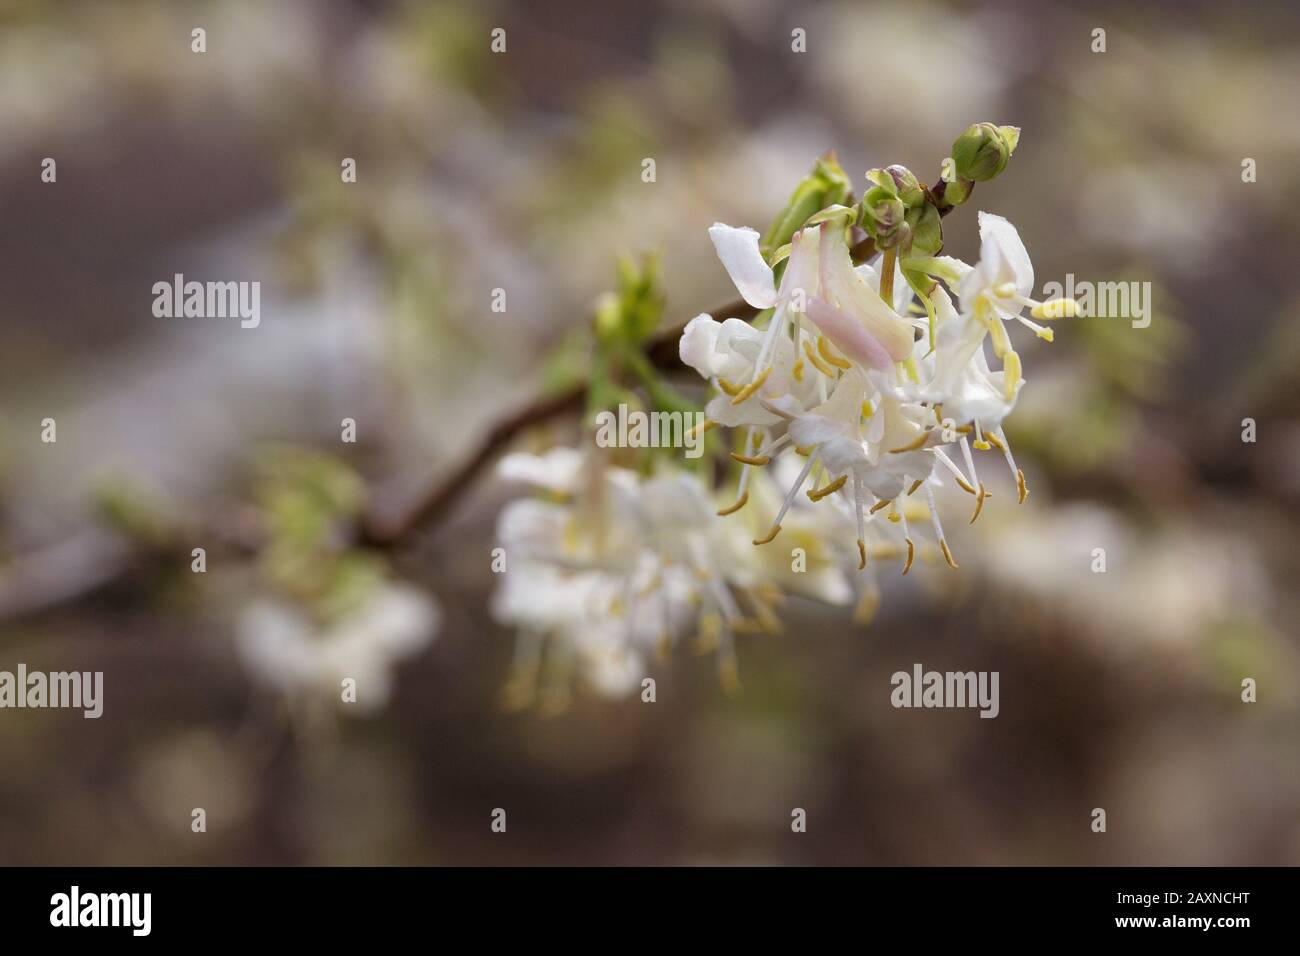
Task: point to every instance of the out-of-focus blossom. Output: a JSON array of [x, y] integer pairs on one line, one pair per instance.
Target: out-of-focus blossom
[[281, 644]]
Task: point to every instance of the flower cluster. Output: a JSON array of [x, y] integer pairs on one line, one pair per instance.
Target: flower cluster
[[876, 395], [861, 386]]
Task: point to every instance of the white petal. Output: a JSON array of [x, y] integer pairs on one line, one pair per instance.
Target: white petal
[[1000, 244], [738, 250], [814, 429], [699, 340], [557, 470]]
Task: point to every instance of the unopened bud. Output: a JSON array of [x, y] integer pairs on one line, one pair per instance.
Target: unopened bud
[[906, 185], [982, 151], [883, 216]]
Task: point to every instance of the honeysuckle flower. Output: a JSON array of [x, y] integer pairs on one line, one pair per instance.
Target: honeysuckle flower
[[620, 567], [881, 458], [280, 643], [728, 353], [997, 288]]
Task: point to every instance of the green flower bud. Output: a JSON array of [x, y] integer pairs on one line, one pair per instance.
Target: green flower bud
[[884, 216], [927, 230], [827, 185], [981, 153], [906, 186]]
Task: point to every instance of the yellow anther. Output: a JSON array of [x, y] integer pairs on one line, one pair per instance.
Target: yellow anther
[[756, 460], [797, 370], [817, 362], [1047, 335], [914, 510], [752, 387], [913, 445], [740, 503], [894, 516], [706, 426], [865, 612], [998, 335], [824, 348], [1011, 374], [916, 484], [995, 440], [767, 621], [1020, 486], [710, 633], [830, 489], [947, 554], [911, 553], [728, 387], [880, 504], [1055, 309], [979, 503], [964, 484], [867, 410], [862, 554], [776, 529], [804, 450]]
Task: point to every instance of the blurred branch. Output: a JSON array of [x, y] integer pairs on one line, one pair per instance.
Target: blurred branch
[[62, 571]]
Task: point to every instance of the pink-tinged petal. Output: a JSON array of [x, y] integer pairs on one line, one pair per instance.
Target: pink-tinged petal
[[848, 335], [738, 250], [799, 284], [858, 299]]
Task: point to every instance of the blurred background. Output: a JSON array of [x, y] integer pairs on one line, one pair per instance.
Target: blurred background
[[522, 170]]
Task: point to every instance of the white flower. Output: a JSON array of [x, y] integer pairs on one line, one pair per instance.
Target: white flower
[[997, 288], [728, 353], [622, 567], [281, 644]]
